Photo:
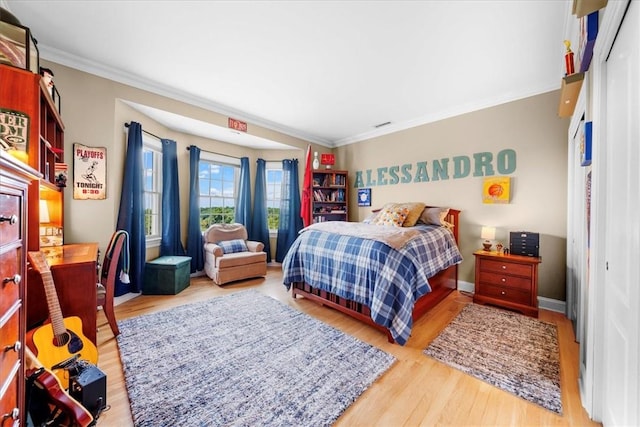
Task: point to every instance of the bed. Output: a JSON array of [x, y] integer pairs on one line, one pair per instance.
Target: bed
[[387, 277]]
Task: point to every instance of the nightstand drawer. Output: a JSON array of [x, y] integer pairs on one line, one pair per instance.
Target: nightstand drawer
[[509, 281], [505, 267], [518, 296], [505, 280]]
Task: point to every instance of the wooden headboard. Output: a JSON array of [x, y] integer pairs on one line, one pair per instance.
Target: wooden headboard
[[453, 218]]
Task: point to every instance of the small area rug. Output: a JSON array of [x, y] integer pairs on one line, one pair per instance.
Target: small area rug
[[511, 351], [243, 359]]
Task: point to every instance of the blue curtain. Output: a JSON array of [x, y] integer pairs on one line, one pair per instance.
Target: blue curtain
[[259, 226], [131, 212], [171, 243], [195, 248], [243, 202], [290, 220]]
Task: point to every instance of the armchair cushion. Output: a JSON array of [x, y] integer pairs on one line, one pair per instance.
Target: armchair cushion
[[233, 246]]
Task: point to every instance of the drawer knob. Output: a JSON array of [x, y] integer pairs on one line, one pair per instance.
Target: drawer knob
[[503, 293], [10, 219], [504, 267], [16, 278], [15, 347], [503, 279]]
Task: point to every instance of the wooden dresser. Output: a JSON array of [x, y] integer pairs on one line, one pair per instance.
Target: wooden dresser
[[15, 179], [509, 281]]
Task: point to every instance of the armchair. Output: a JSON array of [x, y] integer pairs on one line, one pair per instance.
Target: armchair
[[229, 256]]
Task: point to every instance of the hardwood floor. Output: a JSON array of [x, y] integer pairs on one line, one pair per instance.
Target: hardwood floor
[[416, 390]]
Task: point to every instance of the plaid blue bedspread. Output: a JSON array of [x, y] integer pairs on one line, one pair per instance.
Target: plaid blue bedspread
[[370, 272]]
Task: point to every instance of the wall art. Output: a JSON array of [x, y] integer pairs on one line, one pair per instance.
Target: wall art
[[496, 190], [89, 172]]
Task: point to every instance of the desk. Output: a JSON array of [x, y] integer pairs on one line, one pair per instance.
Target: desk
[[73, 268]]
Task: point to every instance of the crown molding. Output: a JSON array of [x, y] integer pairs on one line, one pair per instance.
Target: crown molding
[[101, 70]]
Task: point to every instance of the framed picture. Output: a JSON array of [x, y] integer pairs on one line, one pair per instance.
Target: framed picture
[[89, 172], [364, 197], [14, 130], [496, 190], [18, 47]]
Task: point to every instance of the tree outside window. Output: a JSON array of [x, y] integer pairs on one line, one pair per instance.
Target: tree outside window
[[273, 171], [152, 188], [218, 184]]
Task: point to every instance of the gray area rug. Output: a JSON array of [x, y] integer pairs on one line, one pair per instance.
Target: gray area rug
[[243, 359], [511, 351]]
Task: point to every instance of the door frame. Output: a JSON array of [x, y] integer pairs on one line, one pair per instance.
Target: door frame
[[592, 380]]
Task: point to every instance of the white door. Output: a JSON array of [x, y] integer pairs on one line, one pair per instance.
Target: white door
[[576, 234], [621, 374]]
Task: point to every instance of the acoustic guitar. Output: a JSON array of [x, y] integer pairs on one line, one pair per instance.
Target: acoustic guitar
[[60, 342], [47, 401]]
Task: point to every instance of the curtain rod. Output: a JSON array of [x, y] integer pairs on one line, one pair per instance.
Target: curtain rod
[[148, 133], [214, 152]]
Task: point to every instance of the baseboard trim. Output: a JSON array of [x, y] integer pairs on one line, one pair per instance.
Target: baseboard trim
[[552, 304], [543, 302], [125, 297], [466, 286]]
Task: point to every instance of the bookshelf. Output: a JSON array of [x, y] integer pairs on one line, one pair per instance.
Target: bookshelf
[[329, 196], [25, 94]]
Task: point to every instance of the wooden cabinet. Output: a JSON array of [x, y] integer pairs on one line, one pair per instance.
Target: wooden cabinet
[[329, 196], [509, 281], [15, 179], [25, 94]]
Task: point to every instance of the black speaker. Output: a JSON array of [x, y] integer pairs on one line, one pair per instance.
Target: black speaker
[[89, 387], [524, 243]]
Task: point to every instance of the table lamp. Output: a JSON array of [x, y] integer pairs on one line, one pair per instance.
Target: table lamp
[[44, 212], [488, 234]]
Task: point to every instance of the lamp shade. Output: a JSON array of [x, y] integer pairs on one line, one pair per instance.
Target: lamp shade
[[488, 233], [44, 212], [327, 159]]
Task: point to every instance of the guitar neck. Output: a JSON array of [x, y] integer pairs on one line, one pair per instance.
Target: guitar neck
[[55, 313]]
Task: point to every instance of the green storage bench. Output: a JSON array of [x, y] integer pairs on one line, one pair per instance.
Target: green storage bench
[[167, 275]]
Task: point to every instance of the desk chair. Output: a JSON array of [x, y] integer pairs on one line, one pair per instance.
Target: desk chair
[[107, 283]]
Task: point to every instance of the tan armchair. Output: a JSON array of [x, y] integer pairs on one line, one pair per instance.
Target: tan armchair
[[229, 256]]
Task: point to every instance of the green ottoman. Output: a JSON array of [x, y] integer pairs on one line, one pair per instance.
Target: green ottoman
[[167, 275]]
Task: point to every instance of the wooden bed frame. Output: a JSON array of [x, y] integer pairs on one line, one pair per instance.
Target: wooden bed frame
[[442, 284]]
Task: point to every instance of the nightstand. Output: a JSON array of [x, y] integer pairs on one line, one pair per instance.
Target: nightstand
[[509, 281]]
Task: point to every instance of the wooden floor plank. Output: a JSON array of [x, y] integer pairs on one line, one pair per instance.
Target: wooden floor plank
[[416, 390]]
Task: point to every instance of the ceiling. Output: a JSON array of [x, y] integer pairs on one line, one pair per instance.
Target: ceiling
[[325, 71]]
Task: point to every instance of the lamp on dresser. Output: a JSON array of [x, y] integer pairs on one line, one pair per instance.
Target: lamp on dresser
[[488, 234], [44, 212]]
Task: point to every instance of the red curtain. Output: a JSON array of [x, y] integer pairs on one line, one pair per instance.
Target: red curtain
[[305, 205]]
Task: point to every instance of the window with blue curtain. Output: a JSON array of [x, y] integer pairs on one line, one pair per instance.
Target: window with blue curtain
[[218, 176], [259, 227], [290, 221]]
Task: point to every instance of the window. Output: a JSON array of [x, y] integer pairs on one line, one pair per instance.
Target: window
[[273, 171], [219, 177], [152, 191]]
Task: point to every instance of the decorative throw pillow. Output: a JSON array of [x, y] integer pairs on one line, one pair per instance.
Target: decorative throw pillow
[[435, 216], [371, 219], [393, 217], [415, 209], [232, 246]]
